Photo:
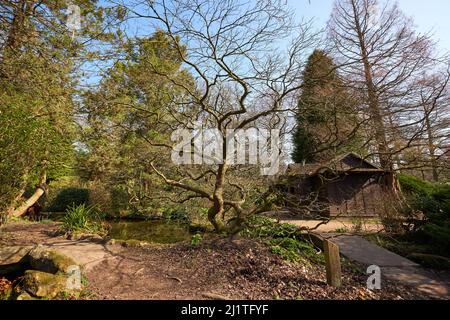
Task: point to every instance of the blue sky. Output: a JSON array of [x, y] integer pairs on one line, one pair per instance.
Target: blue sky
[[431, 15]]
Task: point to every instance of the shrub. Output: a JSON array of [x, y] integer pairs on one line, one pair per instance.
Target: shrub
[[294, 250], [79, 218], [67, 198], [262, 227], [415, 186], [433, 201], [283, 239], [177, 215]]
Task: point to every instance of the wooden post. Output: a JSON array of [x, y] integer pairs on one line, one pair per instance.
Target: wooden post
[[333, 263]]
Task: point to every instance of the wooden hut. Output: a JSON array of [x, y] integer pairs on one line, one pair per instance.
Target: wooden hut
[[348, 186]]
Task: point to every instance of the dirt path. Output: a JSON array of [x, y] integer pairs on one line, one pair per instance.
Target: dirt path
[[345, 225], [243, 269]]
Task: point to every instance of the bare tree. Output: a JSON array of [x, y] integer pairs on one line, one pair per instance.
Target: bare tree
[[382, 56], [243, 78], [433, 123]]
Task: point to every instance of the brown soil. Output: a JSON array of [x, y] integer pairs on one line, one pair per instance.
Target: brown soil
[[243, 269]]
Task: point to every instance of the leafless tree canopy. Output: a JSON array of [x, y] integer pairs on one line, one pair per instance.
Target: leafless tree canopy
[[246, 58], [385, 59]]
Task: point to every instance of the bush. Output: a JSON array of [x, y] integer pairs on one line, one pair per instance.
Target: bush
[[415, 186], [67, 198], [79, 218], [294, 250], [433, 201], [283, 239], [177, 215], [262, 227]]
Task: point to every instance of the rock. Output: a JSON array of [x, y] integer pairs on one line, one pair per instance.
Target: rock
[[46, 260], [6, 289], [132, 243], [13, 259], [42, 284], [25, 296], [87, 237], [11, 255]]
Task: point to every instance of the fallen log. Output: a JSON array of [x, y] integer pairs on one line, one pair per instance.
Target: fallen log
[[38, 193]]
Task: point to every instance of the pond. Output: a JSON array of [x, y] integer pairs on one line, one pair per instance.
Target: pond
[[156, 231]]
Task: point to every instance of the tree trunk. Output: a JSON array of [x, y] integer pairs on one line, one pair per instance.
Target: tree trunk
[[40, 190], [431, 148], [218, 207], [20, 24], [373, 103]]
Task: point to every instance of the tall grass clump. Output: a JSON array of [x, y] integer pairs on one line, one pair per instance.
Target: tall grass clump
[[82, 218]]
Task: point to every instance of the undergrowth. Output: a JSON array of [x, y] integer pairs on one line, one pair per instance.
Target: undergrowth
[[82, 218], [283, 239]]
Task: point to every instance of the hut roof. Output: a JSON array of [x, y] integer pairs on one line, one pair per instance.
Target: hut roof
[[349, 162]]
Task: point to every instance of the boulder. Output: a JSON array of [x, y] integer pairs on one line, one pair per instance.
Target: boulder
[[86, 237], [15, 254], [13, 259], [42, 284], [46, 260], [25, 296]]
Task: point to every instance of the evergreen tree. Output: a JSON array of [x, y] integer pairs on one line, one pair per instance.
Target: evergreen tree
[[38, 60], [130, 109], [326, 118]]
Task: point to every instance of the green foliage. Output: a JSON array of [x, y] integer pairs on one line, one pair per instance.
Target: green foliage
[[177, 214], [342, 230], [196, 239], [129, 109], [294, 250], [263, 227], [433, 201], [80, 218], [415, 186], [69, 197], [283, 239], [325, 118], [37, 89]]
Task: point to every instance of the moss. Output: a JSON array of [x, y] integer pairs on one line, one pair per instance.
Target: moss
[[41, 284], [150, 231], [49, 261], [25, 296], [61, 262], [131, 243]]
